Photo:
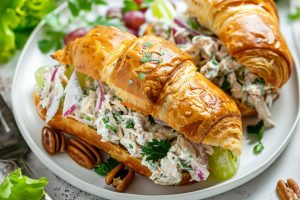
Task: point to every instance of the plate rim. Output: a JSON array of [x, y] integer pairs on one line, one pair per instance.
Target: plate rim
[[105, 193]]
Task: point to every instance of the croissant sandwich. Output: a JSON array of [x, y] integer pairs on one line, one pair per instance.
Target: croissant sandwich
[[237, 45], [142, 101]]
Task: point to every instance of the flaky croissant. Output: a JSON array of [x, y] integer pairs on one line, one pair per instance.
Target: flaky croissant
[[250, 31], [156, 78]]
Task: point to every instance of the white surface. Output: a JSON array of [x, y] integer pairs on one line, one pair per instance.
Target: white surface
[[63, 166], [261, 187]]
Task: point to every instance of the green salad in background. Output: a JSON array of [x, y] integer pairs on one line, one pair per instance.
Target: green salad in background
[[17, 186]]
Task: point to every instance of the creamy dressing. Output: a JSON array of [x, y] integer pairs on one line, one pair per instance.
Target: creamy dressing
[[120, 125]]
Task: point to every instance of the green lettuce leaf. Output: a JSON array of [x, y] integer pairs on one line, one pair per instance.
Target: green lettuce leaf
[[17, 186], [17, 19]]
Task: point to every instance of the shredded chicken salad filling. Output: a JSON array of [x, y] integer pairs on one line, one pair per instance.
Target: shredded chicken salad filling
[[214, 62], [96, 105]]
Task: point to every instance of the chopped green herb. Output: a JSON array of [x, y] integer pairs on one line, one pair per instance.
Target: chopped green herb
[[226, 85], [259, 81], [145, 59], [129, 123], [148, 54], [258, 148], [129, 5], [295, 15], [105, 167], [214, 62], [112, 128], [257, 129], [116, 97], [142, 76], [117, 116], [192, 22], [87, 117], [147, 44], [161, 53], [186, 165], [156, 150], [105, 119], [130, 146]]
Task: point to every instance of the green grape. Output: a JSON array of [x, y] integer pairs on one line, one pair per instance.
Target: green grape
[[163, 9], [39, 76], [69, 70], [223, 163]]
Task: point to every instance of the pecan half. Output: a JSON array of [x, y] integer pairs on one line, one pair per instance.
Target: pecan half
[[83, 153], [288, 190], [52, 141], [120, 177]]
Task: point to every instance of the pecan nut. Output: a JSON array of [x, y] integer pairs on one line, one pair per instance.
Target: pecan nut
[[120, 177], [53, 142], [288, 190], [84, 154]]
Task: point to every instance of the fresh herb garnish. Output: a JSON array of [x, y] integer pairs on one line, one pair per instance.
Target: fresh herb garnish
[[129, 5], [105, 167], [53, 34], [147, 44], [213, 61], [258, 130], [260, 81], [161, 53], [111, 127], [156, 150], [87, 117], [226, 84], [295, 15], [117, 116], [129, 123], [105, 119], [142, 76], [76, 6], [192, 22]]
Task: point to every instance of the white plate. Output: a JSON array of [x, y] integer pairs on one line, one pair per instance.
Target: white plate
[[285, 113]]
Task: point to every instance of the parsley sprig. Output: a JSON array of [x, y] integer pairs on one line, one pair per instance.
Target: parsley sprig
[[156, 150], [258, 130], [105, 167], [295, 15], [226, 86]]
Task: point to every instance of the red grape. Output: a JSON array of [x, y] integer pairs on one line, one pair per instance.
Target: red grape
[[74, 34], [134, 19]]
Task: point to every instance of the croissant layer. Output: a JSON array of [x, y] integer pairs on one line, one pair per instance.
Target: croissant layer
[[250, 31], [154, 77]]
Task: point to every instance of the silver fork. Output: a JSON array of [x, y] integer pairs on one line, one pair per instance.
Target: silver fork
[[13, 148]]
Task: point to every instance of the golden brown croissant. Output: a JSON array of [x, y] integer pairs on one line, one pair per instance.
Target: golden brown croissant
[[250, 32], [156, 78]]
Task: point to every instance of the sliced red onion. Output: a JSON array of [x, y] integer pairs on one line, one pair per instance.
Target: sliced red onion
[[181, 24], [178, 38], [200, 174], [56, 93], [73, 93], [100, 98], [54, 73]]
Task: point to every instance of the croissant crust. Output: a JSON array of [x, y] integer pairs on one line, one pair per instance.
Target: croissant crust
[[169, 89], [250, 31]]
